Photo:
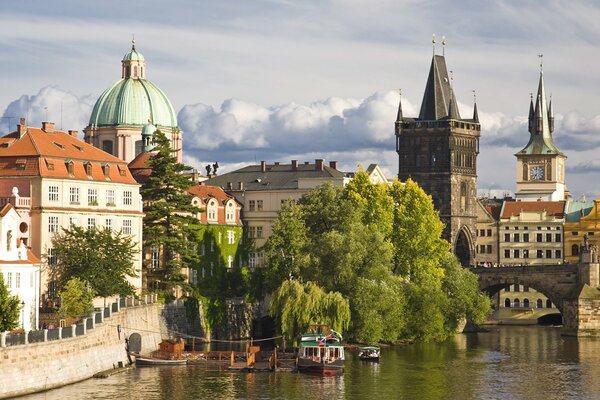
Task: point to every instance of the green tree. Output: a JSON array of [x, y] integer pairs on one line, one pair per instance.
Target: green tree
[[75, 299], [101, 258], [9, 308], [169, 223], [296, 305]]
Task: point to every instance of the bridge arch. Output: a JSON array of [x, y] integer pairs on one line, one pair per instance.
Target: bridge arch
[[463, 247]]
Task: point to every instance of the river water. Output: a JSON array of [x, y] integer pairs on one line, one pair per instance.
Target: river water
[[505, 363]]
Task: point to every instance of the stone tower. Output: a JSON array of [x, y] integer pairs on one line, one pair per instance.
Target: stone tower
[[540, 165], [438, 150]]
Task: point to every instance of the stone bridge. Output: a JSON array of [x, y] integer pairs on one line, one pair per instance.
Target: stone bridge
[[574, 289]]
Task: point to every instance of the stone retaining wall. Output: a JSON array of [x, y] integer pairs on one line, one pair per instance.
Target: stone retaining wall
[[40, 366]]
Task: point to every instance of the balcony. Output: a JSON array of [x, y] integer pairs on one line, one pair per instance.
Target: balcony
[[17, 202]]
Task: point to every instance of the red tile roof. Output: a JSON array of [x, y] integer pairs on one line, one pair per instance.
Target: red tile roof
[[46, 154], [552, 208]]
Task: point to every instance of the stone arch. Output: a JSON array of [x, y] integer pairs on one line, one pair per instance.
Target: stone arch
[[492, 288], [463, 247]]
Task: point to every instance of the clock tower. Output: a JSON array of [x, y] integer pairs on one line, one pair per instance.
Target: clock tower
[[540, 165]]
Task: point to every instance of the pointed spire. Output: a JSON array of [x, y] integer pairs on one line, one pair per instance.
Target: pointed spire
[[551, 115], [436, 98], [399, 116], [531, 113], [452, 107], [475, 113]]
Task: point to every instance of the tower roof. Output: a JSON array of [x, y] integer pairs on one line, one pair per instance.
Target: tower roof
[[437, 99], [541, 125]]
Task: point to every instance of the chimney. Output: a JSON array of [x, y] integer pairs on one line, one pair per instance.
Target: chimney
[[73, 133], [48, 127], [294, 165], [22, 127], [333, 164], [263, 166], [319, 164], [241, 185]]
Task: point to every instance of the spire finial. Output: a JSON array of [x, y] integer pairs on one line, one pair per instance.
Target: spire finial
[[132, 41], [433, 43], [541, 56], [531, 96], [474, 96], [443, 46]]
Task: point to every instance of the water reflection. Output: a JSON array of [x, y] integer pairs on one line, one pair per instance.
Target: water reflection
[[506, 363]]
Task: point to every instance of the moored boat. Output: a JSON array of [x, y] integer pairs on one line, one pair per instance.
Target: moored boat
[[369, 353], [147, 361], [321, 351]]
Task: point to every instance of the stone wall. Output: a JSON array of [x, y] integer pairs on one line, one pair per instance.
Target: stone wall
[[177, 320], [40, 366]]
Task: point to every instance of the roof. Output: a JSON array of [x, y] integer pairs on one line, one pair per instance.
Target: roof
[[274, 177], [32, 151], [22, 185], [204, 192], [515, 208], [575, 210], [438, 100], [133, 55], [140, 170]]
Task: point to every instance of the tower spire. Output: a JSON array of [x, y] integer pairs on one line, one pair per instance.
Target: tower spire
[[399, 116], [475, 113]]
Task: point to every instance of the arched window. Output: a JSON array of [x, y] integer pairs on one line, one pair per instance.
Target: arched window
[[574, 250], [548, 303], [107, 146], [507, 303], [540, 303], [135, 71], [526, 303], [517, 303]]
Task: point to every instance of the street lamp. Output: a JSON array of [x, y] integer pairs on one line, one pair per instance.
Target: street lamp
[[23, 312]]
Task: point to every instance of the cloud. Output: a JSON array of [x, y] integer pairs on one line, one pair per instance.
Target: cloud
[[67, 110]]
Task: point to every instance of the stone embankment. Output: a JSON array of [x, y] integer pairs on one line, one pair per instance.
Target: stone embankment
[[96, 345]]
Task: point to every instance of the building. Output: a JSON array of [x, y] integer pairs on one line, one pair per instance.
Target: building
[[582, 224], [262, 189], [20, 268], [62, 181], [438, 150], [488, 244], [540, 165], [126, 107]]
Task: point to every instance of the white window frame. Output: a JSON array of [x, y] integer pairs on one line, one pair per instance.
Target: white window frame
[[53, 224], [92, 196], [53, 193], [74, 195], [127, 197], [230, 237], [110, 197], [127, 227]]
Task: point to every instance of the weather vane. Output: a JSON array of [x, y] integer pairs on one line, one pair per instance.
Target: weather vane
[[474, 96], [433, 43], [443, 45], [541, 56]]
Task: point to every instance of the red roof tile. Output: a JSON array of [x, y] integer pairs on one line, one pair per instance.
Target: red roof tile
[[552, 208]]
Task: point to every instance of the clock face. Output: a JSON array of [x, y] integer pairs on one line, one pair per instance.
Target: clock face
[[536, 173]]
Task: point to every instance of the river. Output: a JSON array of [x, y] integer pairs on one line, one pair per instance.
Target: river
[[513, 362]]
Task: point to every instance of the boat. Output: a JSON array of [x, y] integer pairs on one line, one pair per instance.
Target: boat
[[321, 351], [368, 353], [148, 361]]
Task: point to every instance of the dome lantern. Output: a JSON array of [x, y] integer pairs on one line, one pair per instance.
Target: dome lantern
[[133, 64]]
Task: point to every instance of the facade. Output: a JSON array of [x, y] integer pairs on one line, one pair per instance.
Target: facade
[[438, 150], [20, 268], [131, 103], [488, 244], [582, 224], [540, 165], [61, 181], [262, 189]]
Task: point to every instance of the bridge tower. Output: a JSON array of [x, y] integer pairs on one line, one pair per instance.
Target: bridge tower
[[438, 150]]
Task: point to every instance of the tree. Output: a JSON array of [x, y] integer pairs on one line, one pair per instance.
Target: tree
[[9, 308], [101, 258], [75, 299], [296, 305], [169, 222]]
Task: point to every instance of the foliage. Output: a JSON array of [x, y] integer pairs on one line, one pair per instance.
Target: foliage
[[75, 299], [101, 258], [296, 305], [169, 223], [9, 308]]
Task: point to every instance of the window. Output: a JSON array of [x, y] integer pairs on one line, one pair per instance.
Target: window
[[507, 303], [110, 197], [575, 233], [107, 146], [251, 205], [517, 238], [252, 260], [52, 224], [9, 279], [74, 195], [482, 232], [557, 238], [548, 303], [70, 167], [229, 262], [73, 221], [517, 303], [525, 253], [507, 237], [526, 237], [108, 223], [489, 249], [88, 170], [539, 303], [51, 257], [212, 210], [230, 237], [526, 303], [548, 237], [155, 258], [194, 276], [91, 223], [574, 250], [489, 232], [526, 288], [127, 198], [259, 205], [481, 248], [539, 237], [516, 253], [106, 171], [17, 280], [558, 254], [517, 288], [53, 193], [126, 227], [548, 253], [230, 212], [259, 231], [92, 197], [540, 254], [506, 253]]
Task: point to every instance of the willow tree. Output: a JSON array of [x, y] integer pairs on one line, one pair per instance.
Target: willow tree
[[296, 305]]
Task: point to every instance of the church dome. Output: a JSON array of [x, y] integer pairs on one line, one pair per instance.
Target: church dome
[[133, 100]]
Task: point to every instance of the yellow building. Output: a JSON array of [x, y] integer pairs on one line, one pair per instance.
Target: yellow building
[[487, 244], [582, 218]]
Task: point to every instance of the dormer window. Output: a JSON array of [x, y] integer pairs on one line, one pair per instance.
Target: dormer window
[[88, 170], [60, 146], [122, 170], [106, 171], [49, 165], [70, 167], [21, 163], [212, 210]]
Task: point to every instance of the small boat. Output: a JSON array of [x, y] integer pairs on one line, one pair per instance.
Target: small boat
[[369, 353], [147, 362], [321, 351]]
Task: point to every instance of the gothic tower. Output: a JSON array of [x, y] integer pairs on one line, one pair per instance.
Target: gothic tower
[[540, 165], [438, 150]]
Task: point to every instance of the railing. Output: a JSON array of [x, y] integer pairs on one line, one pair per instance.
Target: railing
[[8, 339], [16, 201]]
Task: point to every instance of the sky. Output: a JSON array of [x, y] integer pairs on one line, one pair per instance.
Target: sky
[[278, 80]]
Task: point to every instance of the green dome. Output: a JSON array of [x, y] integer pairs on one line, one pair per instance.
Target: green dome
[[133, 55], [133, 102]]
